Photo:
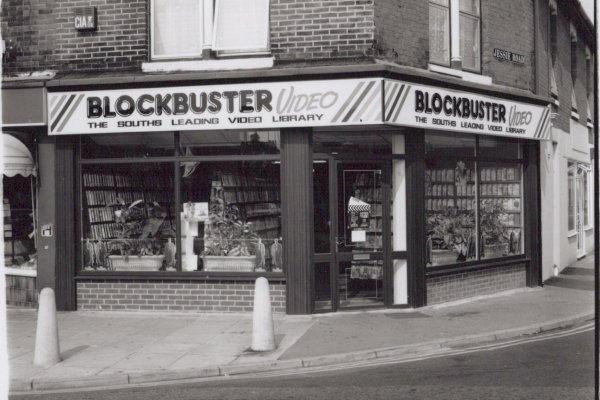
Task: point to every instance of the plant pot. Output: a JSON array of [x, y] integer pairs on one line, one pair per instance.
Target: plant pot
[[225, 263], [495, 250], [443, 257], [136, 263]]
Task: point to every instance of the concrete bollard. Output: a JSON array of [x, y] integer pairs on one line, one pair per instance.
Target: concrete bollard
[[47, 351], [263, 334]]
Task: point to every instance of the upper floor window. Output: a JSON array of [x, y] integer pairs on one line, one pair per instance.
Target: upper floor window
[[454, 33], [194, 28]]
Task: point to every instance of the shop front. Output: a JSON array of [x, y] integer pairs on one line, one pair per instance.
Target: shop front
[[344, 193]]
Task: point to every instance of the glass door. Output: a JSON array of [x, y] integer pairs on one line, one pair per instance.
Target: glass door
[[359, 242]]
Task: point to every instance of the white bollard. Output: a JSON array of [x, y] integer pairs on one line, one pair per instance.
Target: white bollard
[[47, 351], [263, 334]]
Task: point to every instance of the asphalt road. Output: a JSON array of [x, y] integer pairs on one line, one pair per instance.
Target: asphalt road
[[561, 367]]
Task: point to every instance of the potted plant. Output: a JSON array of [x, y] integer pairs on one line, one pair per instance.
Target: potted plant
[[450, 236], [494, 233], [136, 247], [229, 242]]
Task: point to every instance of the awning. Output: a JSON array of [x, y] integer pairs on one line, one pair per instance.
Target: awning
[[17, 157]]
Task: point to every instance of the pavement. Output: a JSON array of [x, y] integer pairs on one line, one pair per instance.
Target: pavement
[[118, 349]]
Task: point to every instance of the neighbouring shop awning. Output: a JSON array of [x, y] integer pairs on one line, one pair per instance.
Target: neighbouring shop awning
[[17, 158]]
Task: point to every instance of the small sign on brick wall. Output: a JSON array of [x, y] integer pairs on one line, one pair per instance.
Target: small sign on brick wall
[[85, 18], [505, 55]]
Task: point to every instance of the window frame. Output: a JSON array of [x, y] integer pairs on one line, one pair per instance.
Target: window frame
[[477, 159], [176, 159], [451, 39], [572, 176]]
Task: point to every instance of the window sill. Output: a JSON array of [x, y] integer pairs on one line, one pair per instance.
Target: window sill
[[588, 228], [571, 234], [575, 115], [467, 76], [209, 65]]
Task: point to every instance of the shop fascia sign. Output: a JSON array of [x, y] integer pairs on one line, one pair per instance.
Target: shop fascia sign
[[244, 106], [341, 102], [429, 107]]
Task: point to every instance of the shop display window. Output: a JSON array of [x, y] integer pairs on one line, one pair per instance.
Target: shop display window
[[192, 143], [128, 217], [500, 210], [197, 210], [128, 145], [231, 218], [474, 197], [450, 212]]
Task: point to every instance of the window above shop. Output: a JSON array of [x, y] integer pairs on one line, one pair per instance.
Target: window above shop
[[454, 34], [206, 34]]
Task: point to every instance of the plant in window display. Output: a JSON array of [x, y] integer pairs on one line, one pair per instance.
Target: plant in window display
[[138, 226], [450, 236], [229, 241], [494, 233]]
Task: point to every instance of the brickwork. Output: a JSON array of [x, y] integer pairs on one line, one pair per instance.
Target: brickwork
[[44, 36], [402, 32], [321, 29], [21, 291], [461, 285], [179, 295], [508, 25]]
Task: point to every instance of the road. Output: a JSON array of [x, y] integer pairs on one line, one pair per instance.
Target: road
[[557, 366]]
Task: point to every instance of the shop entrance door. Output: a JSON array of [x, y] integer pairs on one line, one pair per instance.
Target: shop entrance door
[[349, 269]]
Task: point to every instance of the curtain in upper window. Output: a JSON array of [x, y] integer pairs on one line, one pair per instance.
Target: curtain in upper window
[[176, 28], [469, 34], [241, 26], [439, 32]]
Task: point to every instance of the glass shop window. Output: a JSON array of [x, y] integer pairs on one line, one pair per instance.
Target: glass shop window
[[500, 209], [128, 145], [473, 203], [211, 143], [128, 217], [231, 216]]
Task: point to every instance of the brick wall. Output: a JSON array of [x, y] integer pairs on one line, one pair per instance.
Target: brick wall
[[508, 25], [562, 71], [21, 291], [402, 32], [179, 295], [321, 29], [444, 288], [44, 35]]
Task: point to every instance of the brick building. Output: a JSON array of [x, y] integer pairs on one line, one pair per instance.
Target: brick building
[[177, 150]]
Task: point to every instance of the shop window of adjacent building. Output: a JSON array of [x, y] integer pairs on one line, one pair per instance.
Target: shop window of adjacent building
[[462, 42], [571, 197], [203, 208], [473, 205], [185, 28], [586, 195]]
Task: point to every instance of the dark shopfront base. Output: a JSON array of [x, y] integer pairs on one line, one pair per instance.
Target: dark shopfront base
[[173, 295], [238, 296], [21, 291], [461, 285]]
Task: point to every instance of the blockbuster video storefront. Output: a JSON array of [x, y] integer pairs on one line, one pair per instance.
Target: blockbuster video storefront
[[345, 193]]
